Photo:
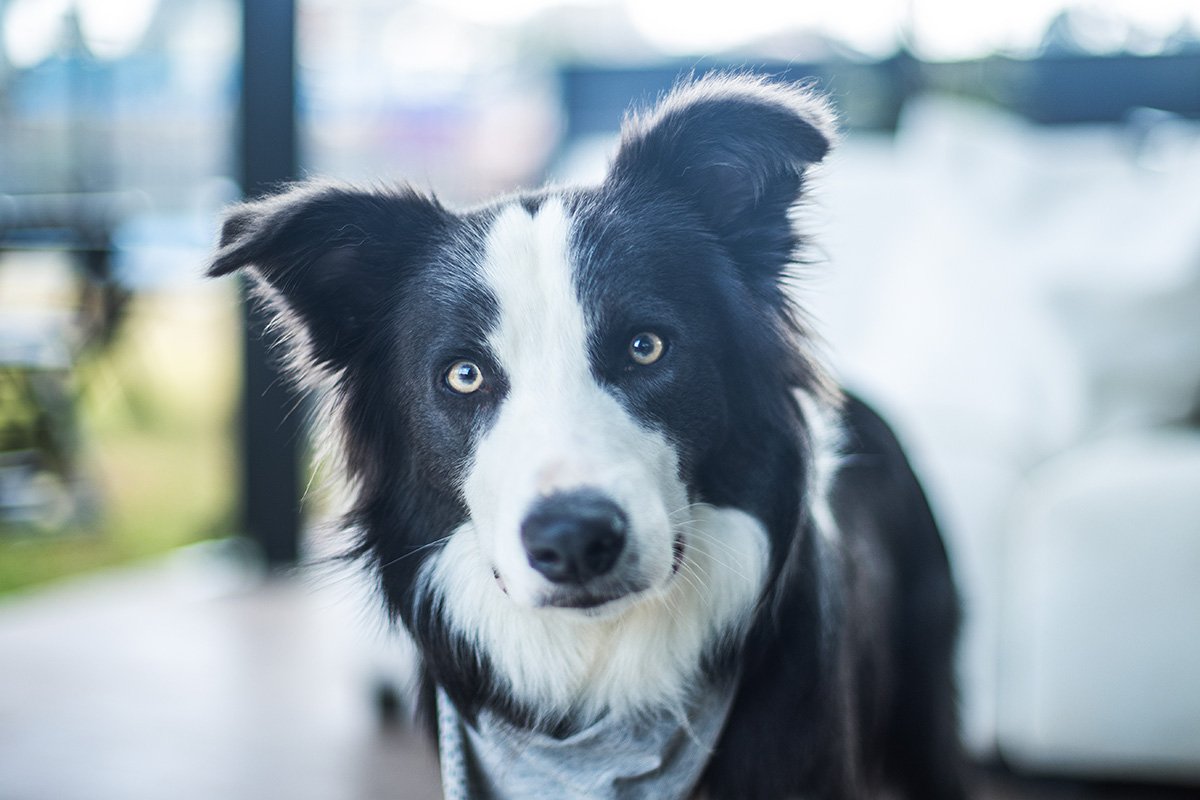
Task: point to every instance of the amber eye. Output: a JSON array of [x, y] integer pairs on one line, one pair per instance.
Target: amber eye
[[646, 348], [464, 377]]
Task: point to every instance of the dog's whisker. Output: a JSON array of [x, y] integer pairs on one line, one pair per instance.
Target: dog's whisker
[[691, 578], [690, 507], [412, 552], [707, 539]]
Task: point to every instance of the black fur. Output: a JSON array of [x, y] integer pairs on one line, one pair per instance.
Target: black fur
[[860, 647], [845, 678]]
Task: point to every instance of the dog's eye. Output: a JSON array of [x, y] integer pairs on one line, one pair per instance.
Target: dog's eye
[[464, 377], [646, 348]]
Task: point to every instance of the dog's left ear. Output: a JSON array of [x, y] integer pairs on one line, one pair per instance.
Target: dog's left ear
[[736, 147]]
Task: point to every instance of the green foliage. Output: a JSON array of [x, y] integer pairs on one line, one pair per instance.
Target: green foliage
[[155, 464]]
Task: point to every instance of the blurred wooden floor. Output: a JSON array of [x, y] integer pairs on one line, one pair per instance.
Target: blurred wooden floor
[[189, 679]]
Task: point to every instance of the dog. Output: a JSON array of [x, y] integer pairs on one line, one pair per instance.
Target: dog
[[643, 543]]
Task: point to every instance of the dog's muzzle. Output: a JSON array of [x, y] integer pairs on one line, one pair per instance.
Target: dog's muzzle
[[571, 538]]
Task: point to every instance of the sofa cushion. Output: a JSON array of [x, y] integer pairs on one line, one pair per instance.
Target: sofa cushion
[[1100, 644]]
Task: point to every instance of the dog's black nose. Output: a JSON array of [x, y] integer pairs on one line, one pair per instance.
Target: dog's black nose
[[572, 537]]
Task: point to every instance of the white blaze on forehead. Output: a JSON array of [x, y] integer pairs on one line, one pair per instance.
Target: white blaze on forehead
[[542, 331]]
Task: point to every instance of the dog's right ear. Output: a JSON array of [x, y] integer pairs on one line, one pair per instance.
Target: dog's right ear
[[736, 148], [328, 258]]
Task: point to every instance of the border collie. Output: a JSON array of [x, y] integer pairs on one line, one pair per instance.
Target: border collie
[[644, 546]]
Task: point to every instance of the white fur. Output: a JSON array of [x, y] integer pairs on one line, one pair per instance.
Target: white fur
[[643, 655], [827, 437], [558, 429]]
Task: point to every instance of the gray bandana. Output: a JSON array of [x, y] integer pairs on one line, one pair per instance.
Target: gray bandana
[[656, 757]]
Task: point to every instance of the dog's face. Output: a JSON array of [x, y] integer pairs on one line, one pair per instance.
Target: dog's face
[[550, 387], [572, 481], [539, 394]]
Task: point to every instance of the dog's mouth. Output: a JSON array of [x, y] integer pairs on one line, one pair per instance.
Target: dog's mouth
[[678, 548], [586, 600]]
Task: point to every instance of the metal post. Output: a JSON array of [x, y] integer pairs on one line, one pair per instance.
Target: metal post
[[271, 424]]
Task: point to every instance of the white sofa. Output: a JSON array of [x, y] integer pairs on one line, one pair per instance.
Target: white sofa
[[1024, 303]]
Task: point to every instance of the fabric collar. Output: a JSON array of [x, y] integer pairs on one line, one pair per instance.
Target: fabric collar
[[654, 756]]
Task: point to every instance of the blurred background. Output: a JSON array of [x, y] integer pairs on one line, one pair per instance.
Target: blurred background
[[1008, 265]]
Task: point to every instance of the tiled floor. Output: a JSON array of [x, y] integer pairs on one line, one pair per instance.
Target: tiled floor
[[188, 679]]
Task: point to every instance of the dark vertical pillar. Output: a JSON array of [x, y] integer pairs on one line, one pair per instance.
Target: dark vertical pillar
[[270, 420]]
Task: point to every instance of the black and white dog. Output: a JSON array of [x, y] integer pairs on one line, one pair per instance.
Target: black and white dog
[[605, 484]]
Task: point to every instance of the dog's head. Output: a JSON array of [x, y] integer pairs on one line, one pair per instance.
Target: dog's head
[[555, 381]]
